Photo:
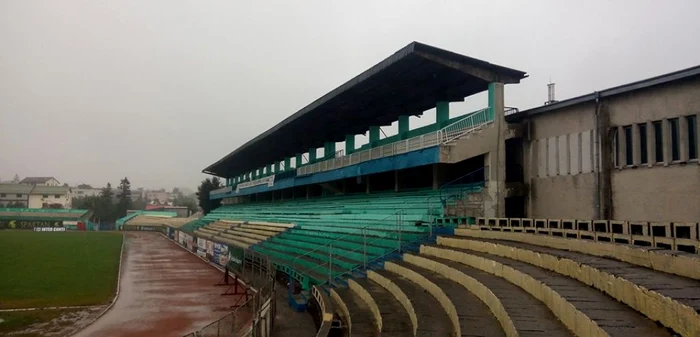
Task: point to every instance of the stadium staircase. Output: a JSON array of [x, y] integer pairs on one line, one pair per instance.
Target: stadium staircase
[[505, 277]]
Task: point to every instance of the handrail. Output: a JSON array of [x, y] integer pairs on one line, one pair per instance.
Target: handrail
[[465, 125]]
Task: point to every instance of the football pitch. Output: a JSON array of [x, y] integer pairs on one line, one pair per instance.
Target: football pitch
[[45, 269]]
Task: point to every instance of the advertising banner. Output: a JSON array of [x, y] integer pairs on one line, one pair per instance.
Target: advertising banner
[[49, 229], [183, 239], [191, 244], [176, 236], [220, 255], [28, 224], [210, 250], [202, 247], [235, 257], [171, 233]]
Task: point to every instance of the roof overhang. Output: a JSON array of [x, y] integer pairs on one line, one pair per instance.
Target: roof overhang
[[409, 82]]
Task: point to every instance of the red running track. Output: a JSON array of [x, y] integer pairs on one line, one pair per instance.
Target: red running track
[[165, 291]]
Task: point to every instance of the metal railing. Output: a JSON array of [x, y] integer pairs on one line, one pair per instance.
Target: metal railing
[[458, 128], [239, 322], [469, 123], [331, 275]]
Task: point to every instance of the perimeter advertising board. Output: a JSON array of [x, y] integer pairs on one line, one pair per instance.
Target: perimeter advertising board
[[220, 254], [49, 229], [235, 257], [28, 224], [171, 233], [176, 237], [202, 247], [210, 250]]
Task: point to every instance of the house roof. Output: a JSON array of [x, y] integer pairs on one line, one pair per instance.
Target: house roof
[[680, 75], [409, 82], [15, 188], [50, 190], [36, 180]]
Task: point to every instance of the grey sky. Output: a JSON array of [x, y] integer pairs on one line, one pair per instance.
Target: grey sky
[[92, 91]]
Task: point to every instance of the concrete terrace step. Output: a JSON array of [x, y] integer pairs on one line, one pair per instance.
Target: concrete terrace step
[[395, 319], [582, 309], [530, 317], [473, 316], [425, 311], [672, 300], [355, 313]]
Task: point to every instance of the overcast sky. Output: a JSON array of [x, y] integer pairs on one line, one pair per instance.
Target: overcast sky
[[156, 90]]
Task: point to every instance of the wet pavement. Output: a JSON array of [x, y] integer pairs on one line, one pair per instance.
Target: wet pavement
[[165, 291]]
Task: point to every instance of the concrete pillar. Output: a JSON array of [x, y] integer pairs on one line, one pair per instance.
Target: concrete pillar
[[494, 161], [329, 150], [312, 156], [636, 148], [349, 144], [373, 136], [396, 181], [651, 149], [269, 169], [666, 127], [298, 161], [287, 164], [436, 176], [442, 113], [367, 188], [277, 166], [403, 127]]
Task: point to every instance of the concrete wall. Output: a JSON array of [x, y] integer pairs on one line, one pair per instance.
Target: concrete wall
[[559, 159], [559, 165], [38, 200]]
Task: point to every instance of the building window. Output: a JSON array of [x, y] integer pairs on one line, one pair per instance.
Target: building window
[[19, 195], [675, 139], [644, 156], [629, 149], [57, 196], [2, 195], [658, 142], [692, 136], [45, 196]]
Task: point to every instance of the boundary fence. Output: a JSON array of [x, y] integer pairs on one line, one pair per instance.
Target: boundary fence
[[255, 317]]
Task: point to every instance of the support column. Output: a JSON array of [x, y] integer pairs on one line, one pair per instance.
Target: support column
[[442, 113], [269, 169], [312, 156], [373, 136], [367, 189], [495, 160], [329, 150], [298, 161], [636, 148], [287, 164], [403, 127], [436, 177], [349, 144], [277, 167], [396, 181]]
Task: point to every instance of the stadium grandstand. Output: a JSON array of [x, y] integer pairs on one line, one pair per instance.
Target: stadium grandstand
[[494, 223], [152, 220]]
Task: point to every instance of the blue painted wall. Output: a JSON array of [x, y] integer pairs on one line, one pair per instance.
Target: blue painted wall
[[399, 162]]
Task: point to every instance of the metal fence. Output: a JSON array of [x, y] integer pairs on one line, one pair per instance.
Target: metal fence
[[255, 317]]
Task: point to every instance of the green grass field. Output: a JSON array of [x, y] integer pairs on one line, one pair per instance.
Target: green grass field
[[42, 269]]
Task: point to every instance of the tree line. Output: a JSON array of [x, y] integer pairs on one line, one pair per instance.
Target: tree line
[[110, 205]]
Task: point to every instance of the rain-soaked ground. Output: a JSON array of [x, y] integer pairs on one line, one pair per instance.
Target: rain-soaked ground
[[165, 291]]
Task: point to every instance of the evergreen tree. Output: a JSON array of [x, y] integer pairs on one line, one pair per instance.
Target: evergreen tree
[[124, 197], [203, 190]]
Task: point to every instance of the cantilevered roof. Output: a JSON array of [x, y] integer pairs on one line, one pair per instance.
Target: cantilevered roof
[[675, 76], [407, 83]]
